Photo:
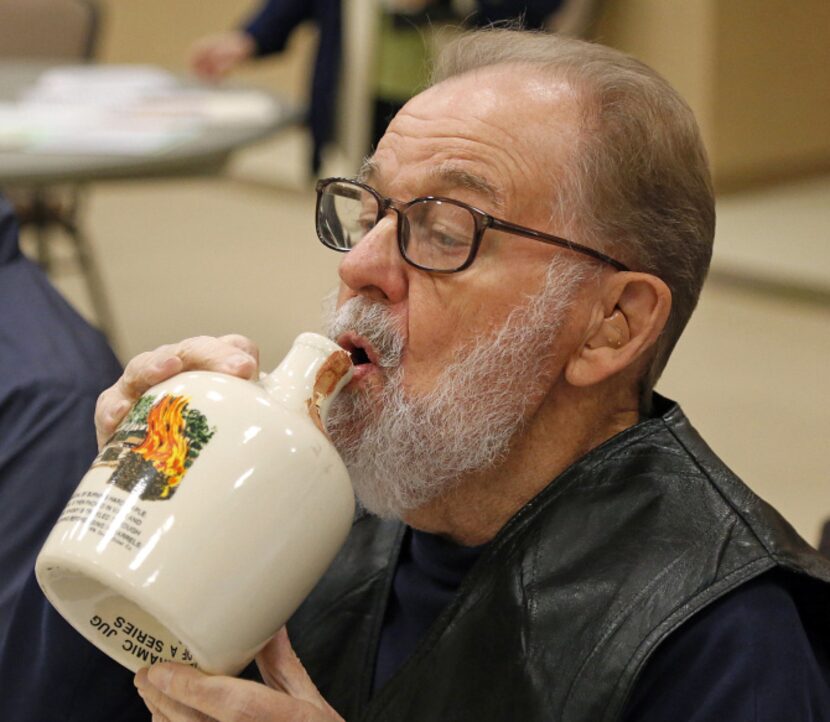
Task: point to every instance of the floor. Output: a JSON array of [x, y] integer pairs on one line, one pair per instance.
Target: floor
[[238, 254]]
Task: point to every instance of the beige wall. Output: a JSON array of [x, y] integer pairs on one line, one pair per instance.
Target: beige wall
[[757, 74], [772, 88], [676, 38]]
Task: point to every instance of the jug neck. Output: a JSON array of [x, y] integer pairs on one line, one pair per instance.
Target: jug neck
[[310, 376]]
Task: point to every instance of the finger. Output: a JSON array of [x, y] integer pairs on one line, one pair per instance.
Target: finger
[[223, 65], [225, 699], [211, 71], [202, 64], [243, 343], [144, 371], [109, 410], [199, 353], [162, 707], [214, 354], [234, 355], [157, 714], [148, 703], [196, 58], [281, 669]]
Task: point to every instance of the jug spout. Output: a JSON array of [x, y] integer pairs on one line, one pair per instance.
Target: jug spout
[[310, 376]]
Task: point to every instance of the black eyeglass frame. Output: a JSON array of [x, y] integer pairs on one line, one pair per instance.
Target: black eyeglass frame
[[482, 220]]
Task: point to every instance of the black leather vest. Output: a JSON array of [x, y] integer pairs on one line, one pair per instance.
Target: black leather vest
[[559, 614]]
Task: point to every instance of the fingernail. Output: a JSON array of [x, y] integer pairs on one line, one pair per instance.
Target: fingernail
[[240, 361], [159, 677], [140, 679], [164, 364], [117, 412]]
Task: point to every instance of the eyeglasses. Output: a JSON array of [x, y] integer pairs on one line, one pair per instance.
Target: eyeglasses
[[434, 234]]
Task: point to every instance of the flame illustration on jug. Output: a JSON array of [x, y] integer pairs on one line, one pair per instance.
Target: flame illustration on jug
[[165, 445], [155, 445]]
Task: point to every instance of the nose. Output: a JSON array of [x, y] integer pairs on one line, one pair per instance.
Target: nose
[[374, 267]]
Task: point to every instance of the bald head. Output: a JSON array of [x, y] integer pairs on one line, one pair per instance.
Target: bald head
[[637, 183]]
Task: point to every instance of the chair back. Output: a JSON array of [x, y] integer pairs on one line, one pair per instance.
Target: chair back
[[55, 29]]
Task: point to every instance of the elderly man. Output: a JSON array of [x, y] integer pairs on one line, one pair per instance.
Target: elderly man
[[546, 538]]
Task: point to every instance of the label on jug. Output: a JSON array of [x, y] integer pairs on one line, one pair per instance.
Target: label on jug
[[155, 445], [149, 454]]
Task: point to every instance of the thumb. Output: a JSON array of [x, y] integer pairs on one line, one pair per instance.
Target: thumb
[[281, 669]]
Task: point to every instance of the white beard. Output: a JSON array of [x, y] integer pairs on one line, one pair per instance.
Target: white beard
[[403, 451]]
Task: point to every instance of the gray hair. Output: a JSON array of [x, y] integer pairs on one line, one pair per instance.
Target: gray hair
[[639, 186]]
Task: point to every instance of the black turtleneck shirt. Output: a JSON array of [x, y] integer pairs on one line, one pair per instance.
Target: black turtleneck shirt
[[748, 657], [430, 570]]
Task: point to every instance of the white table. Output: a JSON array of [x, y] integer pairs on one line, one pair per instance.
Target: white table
[[200, 146]]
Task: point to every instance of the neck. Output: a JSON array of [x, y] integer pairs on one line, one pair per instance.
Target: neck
[[560, 432]]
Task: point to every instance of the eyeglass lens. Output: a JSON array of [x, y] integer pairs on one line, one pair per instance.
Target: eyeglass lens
[[346, 213], [436, 235]]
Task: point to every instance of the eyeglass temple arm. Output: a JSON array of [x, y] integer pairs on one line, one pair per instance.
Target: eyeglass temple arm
[[498, 225]]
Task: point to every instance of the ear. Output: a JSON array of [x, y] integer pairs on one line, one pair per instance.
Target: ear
[[630, 315]]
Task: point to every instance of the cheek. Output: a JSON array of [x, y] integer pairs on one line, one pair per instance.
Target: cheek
[[445, 314], [446, 317], [438, 320]]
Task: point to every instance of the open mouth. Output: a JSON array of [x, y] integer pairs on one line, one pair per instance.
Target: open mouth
[[359, 356], [364, 357]]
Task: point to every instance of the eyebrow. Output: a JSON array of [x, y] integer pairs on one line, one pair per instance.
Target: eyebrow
[[456, 177], [368, 170], [446, 174]]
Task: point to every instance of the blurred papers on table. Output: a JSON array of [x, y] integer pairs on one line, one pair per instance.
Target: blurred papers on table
[[122, 110]]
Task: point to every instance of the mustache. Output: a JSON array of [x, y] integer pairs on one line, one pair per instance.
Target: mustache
[[371, 319]]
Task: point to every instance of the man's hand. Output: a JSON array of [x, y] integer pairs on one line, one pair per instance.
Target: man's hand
[[177, 693], [213, 57], [234, 355]]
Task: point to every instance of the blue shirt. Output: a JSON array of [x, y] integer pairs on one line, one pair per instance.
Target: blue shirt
[[271, 27], [754, 655], [53, 365]]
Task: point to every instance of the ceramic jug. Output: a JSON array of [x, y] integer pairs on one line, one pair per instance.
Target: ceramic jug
[[207, 517]]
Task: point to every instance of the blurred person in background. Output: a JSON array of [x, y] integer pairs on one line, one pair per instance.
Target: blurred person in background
[[545, 536], [404, 55], [266, 33], [403, 60], [53, 366]]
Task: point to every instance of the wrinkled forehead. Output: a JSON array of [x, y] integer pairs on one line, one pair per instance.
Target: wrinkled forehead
[[498, 133], [444, 174]]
